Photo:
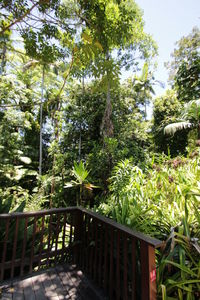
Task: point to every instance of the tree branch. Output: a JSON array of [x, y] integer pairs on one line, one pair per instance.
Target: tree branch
[[21, 18]]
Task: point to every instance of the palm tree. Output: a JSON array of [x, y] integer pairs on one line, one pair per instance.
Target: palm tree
[[190, 119], [143, 86], [80, 173]]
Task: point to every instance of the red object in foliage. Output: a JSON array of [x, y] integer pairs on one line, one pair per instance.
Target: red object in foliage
[[153, 275]]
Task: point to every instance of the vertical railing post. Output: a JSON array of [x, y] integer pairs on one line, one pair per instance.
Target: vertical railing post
[[78, 230], [148, 271], [4, 248]]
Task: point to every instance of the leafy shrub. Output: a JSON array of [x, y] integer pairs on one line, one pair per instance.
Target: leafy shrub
[[163, 202]]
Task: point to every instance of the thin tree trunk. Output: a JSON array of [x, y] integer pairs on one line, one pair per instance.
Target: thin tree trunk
[[3, 58], [198, 132], [41, 111], [145, 110], [107, 129], [80, 125], [56, 126]]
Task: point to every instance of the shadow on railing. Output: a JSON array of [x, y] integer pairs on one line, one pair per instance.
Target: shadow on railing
[[118, 259]]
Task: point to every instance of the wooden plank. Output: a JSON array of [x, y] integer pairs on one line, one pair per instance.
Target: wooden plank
[[82, 251], [68, 283], [39, 213], [118, 287], [71, 233], [111, 277], [64, 236], [78, 235], [133, 258], [6, 292], [4, 249], [144, 271], [41, 242], [24, 246], [96, 251], [148, 267], [88, 247], [14, 248], [49, 239], [57, 283], [100, 254], [105, 277], [32, 246], [38, 288], [47, 284], [18, 295], [28, 290], [125, 266], [152, 272], [6, 296], [92, 247], [57, 235], [17, 290]]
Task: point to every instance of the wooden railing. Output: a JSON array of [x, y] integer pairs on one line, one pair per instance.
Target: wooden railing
[[118, 259]]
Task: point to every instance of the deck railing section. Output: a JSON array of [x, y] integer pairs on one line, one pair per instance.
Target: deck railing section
[[31, 241], [119, 260]]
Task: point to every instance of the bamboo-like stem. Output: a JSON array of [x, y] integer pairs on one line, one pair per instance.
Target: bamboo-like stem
[[41, 110]]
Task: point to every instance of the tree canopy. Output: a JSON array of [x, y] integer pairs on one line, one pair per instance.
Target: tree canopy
[[72, 132]]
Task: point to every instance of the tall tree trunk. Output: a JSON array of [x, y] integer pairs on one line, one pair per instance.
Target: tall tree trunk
[[3, 58], [41, 110], [56, 133], [107, 129], [145, 109], [80, 125], [56, 126]]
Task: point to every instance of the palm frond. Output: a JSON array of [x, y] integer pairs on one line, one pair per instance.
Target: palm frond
[[174, 127]]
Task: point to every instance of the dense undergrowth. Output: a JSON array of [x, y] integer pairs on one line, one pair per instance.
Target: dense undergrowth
[[163, 201]]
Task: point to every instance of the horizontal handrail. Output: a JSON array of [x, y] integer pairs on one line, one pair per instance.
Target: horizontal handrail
[[38, 213], [131, 232]]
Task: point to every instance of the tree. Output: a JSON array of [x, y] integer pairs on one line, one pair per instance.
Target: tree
[[187, 79], [118, 26], [167, 109], [185, 67], [190, 119], [130, 138], [74, 40], [187, 46], [143, 86], [80, 173]]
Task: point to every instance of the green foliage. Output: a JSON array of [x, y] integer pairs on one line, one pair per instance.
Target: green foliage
[[83, 117], [101, 123], [162, 202], [187, 80], [184, 54], [80, 173], [191, 115], [167, 109]]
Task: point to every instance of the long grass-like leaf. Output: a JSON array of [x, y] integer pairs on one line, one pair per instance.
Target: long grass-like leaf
[[164, 294], [183, 268]]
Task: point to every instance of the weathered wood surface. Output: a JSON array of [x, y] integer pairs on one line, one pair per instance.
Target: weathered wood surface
[[62, 282]]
